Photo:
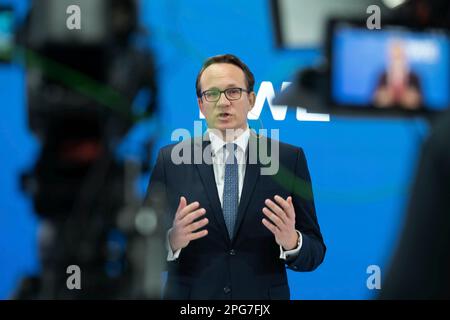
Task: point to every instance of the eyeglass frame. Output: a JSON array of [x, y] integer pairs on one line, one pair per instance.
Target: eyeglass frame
[[224, 92]]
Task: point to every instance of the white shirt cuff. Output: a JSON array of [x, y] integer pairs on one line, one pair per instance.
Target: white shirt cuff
[[294, 252], [171, 256]]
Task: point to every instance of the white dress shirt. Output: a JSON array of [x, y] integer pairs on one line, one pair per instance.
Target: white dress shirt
[[218, 160]]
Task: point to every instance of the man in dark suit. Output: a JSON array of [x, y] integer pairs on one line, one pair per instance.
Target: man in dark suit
[[232, 226]]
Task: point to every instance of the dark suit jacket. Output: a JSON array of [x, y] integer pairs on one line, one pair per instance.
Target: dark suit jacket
[[247, 266]]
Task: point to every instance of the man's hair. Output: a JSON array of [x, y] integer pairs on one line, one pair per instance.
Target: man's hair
[[226, 58]]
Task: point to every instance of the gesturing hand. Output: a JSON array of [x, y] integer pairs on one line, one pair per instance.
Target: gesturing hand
[[281, 221], [183, 226]]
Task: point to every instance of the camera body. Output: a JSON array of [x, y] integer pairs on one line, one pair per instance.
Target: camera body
[[81, 87]]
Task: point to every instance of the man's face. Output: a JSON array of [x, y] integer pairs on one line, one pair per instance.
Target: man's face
[[225, 114]]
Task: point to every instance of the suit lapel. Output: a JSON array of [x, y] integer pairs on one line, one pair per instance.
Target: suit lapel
[[206, 172]]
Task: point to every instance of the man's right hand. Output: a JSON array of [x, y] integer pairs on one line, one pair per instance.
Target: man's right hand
[[184, 227]]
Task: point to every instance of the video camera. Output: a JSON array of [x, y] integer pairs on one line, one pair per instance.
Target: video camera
[[82, 88]]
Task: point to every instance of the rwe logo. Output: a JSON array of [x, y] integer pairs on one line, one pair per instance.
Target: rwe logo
[[267, 93]]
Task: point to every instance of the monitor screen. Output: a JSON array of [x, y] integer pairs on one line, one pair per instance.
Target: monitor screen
[[394, 67], [6, 34]]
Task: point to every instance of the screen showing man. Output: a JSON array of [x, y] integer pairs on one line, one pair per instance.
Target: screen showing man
[[398, 85], [393, 68]]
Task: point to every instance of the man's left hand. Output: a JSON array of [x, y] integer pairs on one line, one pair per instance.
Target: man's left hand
[[281, 223]]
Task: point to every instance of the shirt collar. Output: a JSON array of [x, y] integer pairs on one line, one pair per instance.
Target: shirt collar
[[217, 143]]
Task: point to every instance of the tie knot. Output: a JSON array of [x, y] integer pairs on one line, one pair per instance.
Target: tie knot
[[231, 148]]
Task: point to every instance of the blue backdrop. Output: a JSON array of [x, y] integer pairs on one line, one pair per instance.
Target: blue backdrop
[[360, 168]]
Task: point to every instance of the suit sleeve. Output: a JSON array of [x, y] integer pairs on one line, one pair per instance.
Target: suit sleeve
[[156, 184], [313, 248]]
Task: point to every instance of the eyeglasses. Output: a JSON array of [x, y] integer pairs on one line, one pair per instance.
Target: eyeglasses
[[213, 95]]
